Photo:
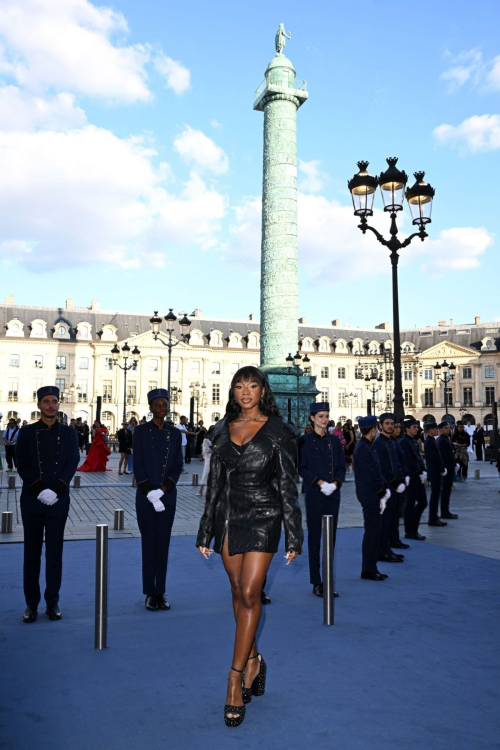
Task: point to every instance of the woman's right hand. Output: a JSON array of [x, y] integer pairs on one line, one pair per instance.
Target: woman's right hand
[[205, 551]]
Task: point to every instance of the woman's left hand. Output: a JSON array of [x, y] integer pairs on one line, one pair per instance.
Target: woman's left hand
[[290, 556]]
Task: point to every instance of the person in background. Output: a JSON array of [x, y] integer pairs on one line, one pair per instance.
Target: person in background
[[461, 441], [447, 453], [436, 471], [392, 471], [396, 542], [372, 494], [349, 444], [124, 437], [322, 466], [184, 430], [132, 424], [99, 452], [10, 437], [309, 428], [478, 441], [206, 451], [25, 422], [469, 429], [200, 437], [86, 436], [416, 499]]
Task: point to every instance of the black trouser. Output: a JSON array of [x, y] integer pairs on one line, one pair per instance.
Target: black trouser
[[446, 492], [388, 523], [463, 469], [394, 526], [10, 456], [38, 518], [317, 506], [479, 451], [155, 529], [435, 483], [370, 548], [416, 503]]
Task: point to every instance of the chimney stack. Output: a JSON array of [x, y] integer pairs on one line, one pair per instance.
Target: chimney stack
[[451, 321], [251, 317], [442, 323], [477, 320], [9, 300], [336, 322], [69, 304], [383, 327], [302, 321], [94, 305]]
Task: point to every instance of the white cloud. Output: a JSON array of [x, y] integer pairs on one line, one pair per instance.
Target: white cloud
[[332, 250], [83, 196], [314, 179], [466, 66], [20, 111], [202, 152], [68, 46], [456, 249], [177, 76], [477, 133], [493, 75]]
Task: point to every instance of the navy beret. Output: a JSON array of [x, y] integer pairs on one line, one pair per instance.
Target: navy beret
[[47, 390], [443, 424], [386, 415], [367, 422], [321, 406], [409, 422], [157, 393], [430, 425]]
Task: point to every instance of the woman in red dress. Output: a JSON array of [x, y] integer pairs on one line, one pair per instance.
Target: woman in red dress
[[98, 454]]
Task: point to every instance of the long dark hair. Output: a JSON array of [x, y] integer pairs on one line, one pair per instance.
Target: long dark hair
[[267, 405]]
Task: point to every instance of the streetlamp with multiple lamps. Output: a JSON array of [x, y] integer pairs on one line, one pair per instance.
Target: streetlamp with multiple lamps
[[293, 364], [198, 396], [125, 367], [446, 374], [392, 184], [175, 396], [184, 324]]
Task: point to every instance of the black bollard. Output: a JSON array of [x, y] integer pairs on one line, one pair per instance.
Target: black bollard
[[101, 587], [328, 597]]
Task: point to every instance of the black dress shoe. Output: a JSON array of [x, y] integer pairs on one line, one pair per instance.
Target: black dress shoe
[[449, 515], [30, 614], [418, 537], [437, 522], [400, 545], [264, 598], [384, 575], [373, 576], [163, 602], [391, 558], [53, 612], [152, 603], [318, 590]]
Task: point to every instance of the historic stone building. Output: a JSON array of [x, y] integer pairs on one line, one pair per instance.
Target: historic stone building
[[71, 346]]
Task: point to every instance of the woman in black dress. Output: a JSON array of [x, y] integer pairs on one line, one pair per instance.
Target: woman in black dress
[[124, 447], [251, 490]]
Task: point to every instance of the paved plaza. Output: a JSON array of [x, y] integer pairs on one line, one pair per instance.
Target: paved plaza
[[477, 501]]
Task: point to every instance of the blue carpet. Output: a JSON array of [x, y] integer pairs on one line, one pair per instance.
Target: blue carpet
[[412, 662]]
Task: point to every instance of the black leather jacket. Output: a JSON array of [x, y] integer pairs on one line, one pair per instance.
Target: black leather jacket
[[250, 494]]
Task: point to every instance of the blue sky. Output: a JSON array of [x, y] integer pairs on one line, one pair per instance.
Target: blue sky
[[130, 156]]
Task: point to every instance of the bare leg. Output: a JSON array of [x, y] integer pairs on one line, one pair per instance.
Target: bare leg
[[246, 573]]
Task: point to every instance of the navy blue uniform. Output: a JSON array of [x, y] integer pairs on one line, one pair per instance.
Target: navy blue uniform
[[157, 464], [434, 468], [47, 458], [447, 453], [387, 452], [370, 489], [416, 499], [320, 458]]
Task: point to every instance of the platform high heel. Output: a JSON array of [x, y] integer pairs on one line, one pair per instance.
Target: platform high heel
[[259, 683], [234, 721]]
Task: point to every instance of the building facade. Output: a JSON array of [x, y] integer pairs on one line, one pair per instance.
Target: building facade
[[71, 347]]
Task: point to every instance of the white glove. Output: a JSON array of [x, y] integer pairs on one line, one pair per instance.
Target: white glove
[[457, 467], [48, 497], [154, 498], [327, 488], [444, 472], [401, 487], [423, 476], [384, 500], [407, 481]]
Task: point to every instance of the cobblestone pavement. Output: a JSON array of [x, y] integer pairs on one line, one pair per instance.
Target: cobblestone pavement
[[476, 501]]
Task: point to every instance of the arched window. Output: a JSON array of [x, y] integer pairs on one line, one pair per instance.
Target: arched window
[[195, 338], [340, 346], [468, 418], [234, 341], [35, 415], [324, 345], [428, 418], [342, 419], [215, 416], [253, 341], [307, 345], [215, 339]]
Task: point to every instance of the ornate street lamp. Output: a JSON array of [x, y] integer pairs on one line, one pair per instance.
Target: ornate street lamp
[[392, 184], [446, 374], [293, 364], [175, 396], [198, 396], [125, 367], [184, 324]]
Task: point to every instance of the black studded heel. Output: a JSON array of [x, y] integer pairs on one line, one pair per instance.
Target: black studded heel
[[235, 721], [259, 683]]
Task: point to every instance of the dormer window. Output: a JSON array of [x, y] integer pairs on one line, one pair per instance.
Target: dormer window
[[61, 331]]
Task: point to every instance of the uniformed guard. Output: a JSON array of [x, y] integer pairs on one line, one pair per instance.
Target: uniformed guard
[[387, 451], [372, 493], [395, 539], [47, 457], [416, 499], [322, 467], [447, 453], [436, 470], [158, 464]]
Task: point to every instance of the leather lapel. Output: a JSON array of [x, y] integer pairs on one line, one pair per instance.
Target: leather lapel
[[222, 445]]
